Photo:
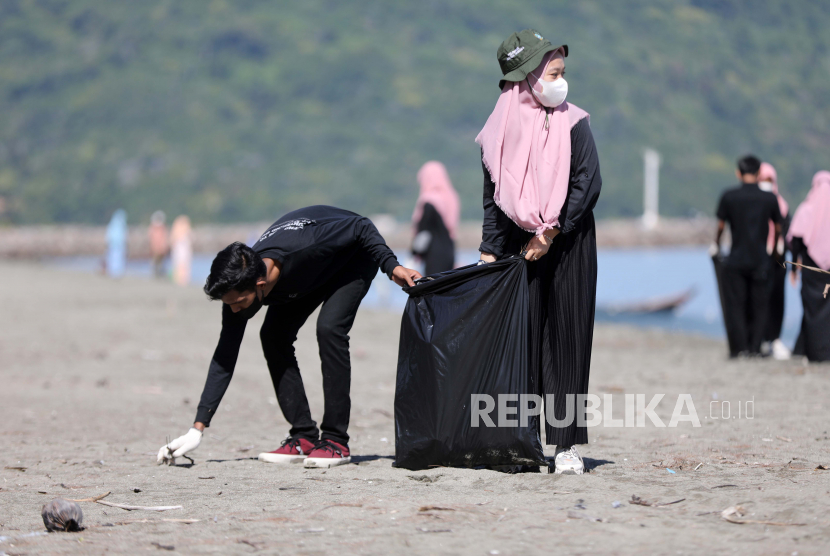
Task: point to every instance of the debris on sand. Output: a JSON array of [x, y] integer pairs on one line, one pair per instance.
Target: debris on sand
[[425, 530], [93, 499], [784, 439], [346, 505], [435, 508], [734, 514], [62, 515], [310, 530], [637, 501], [822, 468], [383, 412], [16, 468], [424, 478], [579, 515], [163, 546], [133, 508]]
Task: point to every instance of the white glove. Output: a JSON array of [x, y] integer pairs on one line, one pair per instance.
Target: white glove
[[180, 446], [714, 250]]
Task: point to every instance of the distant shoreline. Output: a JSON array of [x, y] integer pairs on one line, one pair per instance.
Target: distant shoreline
[[34, 242]]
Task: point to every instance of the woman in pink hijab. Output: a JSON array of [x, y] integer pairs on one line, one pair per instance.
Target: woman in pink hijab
[[541, 182], [809, 238], [435, 219], [181, 250], [768, 181]]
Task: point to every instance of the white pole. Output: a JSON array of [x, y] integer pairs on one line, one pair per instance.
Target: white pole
[[651, 159]]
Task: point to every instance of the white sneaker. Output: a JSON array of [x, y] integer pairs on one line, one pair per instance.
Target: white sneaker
[[780, 351], [567, 461]]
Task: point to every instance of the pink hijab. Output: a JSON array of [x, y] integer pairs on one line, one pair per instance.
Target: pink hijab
[[437, 190], [768, 173], [530, 165], [812, 221]]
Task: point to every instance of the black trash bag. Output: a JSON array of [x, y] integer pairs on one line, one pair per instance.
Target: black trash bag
[[465, 333], [728, 320]]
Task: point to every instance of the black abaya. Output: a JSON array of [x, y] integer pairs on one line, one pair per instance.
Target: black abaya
[[440, 254], [775, 312], [778, 277], [815, 326], [562, 288]]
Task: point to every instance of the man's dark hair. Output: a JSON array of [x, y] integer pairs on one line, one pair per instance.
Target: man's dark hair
[[236, 267], [749, 164]]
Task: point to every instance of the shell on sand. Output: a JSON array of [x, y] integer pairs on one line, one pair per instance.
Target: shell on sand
[[62, 515]]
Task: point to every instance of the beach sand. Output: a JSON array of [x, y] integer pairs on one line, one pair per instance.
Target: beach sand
[[96, 374]]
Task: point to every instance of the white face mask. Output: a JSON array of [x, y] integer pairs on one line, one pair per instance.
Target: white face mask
[[765, 185], [553, 92]]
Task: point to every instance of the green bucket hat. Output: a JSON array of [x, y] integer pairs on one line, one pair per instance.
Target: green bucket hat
[[522, 53]]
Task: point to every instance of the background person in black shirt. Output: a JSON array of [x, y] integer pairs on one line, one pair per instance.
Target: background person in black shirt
[[310, 257], [747, 271]]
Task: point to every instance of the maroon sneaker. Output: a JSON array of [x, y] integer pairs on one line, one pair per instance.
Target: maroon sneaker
[[328, 454], [292, 450]]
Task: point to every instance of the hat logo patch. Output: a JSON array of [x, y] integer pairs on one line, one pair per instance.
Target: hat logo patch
[[515, 52], [538, 36]]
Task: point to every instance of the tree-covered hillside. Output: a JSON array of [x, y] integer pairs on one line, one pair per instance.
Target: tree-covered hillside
[[240, 110]]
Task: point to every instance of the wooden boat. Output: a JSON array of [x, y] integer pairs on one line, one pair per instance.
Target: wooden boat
[[662, 304]]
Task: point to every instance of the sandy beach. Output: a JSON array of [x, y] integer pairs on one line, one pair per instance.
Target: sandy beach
[[98, 373]]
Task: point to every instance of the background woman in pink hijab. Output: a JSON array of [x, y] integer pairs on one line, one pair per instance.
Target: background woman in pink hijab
[[435, 220], [181, 250], [541, 182], [809, 238], [768, 181]]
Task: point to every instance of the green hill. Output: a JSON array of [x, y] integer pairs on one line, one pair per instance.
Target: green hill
[[233, 111]]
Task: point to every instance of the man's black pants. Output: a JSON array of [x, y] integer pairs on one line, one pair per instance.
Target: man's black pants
[[746, 305], [340, 298]]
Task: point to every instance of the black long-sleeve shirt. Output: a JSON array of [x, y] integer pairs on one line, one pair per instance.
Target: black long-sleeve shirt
[[312, 245], [748, 210], [501, 237]]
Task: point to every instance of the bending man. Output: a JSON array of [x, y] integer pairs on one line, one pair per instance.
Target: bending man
[[310, 257]]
